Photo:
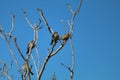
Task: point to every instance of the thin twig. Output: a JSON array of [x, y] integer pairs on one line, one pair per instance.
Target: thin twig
[[12, 29], [36, 28], [57, 50], [3, 34], [26, 18], [72, 68], [38, 56], [8, 77], [65, 25], [10, 65], [14, 58], [34, 64], [45, 21], [70, 8], [16, 45], [66, 67], [35, 35]]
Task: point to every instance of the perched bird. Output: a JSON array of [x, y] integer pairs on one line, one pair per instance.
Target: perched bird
[[55, 38], [65, 37], [26, 68], [30, 46]]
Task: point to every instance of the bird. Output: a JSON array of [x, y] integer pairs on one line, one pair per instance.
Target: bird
[[65, 37], [55, 38], [27, 69], [30, 46]]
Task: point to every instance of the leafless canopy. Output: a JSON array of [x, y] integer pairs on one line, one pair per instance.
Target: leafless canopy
[[25, 69]]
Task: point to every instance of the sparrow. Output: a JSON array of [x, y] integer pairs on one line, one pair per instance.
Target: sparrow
[[65, 37], [27, 69], [55, 38], [30, 46]]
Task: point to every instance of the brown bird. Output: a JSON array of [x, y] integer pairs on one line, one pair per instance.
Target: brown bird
[[65, 37], [26, 68], [30, 46], [55, 38]]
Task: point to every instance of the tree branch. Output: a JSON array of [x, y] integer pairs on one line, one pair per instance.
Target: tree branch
[[72, 68], [34, 64], [57, 50], [38, 56], [14, 58], [6, 36], [26, 18], [43, 66], [5, 70], [15, 43], [45, 21], [71, 24], [12, 29], [74, 13]]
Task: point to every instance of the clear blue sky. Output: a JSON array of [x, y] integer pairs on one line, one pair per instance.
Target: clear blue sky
[[96, 36]]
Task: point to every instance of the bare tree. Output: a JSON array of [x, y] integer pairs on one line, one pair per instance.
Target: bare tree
[[25, 70]]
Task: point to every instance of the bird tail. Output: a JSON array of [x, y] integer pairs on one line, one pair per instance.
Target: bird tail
[[31, 73], [27, 51], [51, 42]]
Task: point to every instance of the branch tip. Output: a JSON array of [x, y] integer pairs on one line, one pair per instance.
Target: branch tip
[[38, 9], [13, 16], [24, 12]]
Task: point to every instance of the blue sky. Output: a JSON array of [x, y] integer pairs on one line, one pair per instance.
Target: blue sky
[[96, 37]]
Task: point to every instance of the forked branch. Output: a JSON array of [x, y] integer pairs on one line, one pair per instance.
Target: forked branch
[[71, 24]]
